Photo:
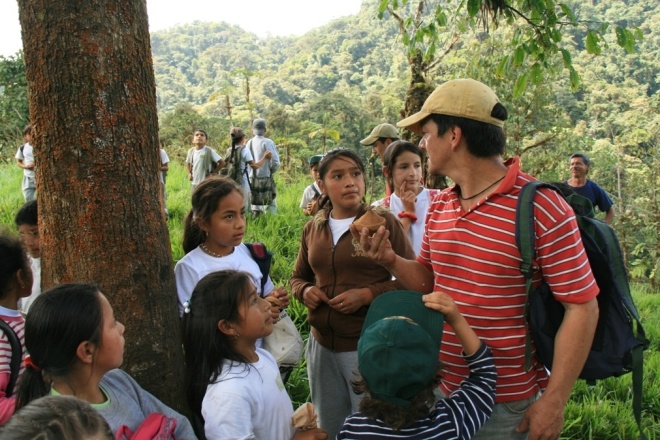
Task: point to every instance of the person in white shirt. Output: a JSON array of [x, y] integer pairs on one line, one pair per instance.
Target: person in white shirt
[[164, 168], [233, 387], [25, 159], [202, 160]]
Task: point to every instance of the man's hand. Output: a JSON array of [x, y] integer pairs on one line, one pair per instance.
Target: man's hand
[[377, 247], [544, 419]]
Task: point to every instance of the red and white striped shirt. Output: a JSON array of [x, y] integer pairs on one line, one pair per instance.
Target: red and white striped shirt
[[475, 259], [17, 323]]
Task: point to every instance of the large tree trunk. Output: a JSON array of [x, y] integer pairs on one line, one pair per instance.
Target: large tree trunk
[[93, 103], [416, 94]]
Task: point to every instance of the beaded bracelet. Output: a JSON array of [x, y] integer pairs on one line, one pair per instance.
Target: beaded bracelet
[[405, 214]]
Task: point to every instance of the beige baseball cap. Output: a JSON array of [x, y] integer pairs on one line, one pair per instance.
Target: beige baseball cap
[[465, 98], [381, 131]]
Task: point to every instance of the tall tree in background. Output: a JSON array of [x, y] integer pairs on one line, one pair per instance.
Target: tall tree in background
[[93, 102]]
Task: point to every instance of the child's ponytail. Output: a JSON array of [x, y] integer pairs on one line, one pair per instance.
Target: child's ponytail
[[192, 235], [31, 386]]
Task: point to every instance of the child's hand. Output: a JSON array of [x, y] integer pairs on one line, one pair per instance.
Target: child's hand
[[274, 307], [268, 154], [408, 198], [444, 304], [282, 296]]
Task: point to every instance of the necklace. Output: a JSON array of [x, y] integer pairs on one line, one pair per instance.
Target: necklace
[[482, 191], [213, 254]]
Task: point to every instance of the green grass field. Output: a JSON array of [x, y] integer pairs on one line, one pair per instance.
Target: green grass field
[[599, 412]]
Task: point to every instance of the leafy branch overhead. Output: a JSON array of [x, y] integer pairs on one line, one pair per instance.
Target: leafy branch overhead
[[541, 38]]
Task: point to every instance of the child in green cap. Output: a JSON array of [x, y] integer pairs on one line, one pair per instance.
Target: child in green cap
[[398, 355]]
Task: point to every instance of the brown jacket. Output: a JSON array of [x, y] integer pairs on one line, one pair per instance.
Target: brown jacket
[[336, 269]]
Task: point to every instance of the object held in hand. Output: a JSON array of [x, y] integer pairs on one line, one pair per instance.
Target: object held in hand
[[370, 220], [304, 417]]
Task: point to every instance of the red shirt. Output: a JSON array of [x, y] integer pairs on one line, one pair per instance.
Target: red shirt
[[475, 259]]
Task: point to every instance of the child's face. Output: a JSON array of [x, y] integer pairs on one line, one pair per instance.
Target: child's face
[[27, 137], [344, 185], [314, 172], [256, 320], [407, 170], [226, 226], [30, 236], [110, 352], [199, 139]]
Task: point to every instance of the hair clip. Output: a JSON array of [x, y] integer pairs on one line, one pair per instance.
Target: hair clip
[[186, 307]]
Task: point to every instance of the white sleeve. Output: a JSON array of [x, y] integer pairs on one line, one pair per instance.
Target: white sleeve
[[227, 416], [186, 279], [275, 159], [246, 155], [163, 157], [19, 154], [216, 157]]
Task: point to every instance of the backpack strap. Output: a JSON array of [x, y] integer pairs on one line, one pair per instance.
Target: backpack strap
[[526, 241], [264, 258], [249, 145], [16, 355]]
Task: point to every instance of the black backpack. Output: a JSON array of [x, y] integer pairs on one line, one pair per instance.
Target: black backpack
[[16, 356], [232, 168], [264, 258], [620, 339]]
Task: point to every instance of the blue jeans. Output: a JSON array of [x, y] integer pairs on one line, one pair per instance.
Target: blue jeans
[[503, 422]]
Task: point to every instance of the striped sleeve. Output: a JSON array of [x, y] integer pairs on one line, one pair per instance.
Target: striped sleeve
[[472, 404]]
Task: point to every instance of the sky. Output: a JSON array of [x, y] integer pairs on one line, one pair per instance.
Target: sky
[[262, 17]]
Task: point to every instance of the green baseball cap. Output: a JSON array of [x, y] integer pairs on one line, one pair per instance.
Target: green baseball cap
[[399, 346], [315, 159]]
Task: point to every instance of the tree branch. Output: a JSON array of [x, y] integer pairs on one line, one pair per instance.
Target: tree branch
[[539, 143]]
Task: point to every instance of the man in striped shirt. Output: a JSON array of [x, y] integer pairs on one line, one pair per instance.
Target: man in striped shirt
[[469, 251]]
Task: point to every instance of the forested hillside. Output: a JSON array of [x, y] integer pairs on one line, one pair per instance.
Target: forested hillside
[[329, 87]]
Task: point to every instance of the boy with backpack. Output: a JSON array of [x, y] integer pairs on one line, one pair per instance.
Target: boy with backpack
[[312, 193]]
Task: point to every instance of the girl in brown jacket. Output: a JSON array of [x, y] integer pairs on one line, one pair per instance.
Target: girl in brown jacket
[[337, 285]]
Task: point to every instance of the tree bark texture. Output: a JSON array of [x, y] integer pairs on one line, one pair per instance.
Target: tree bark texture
[[93, 105]]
